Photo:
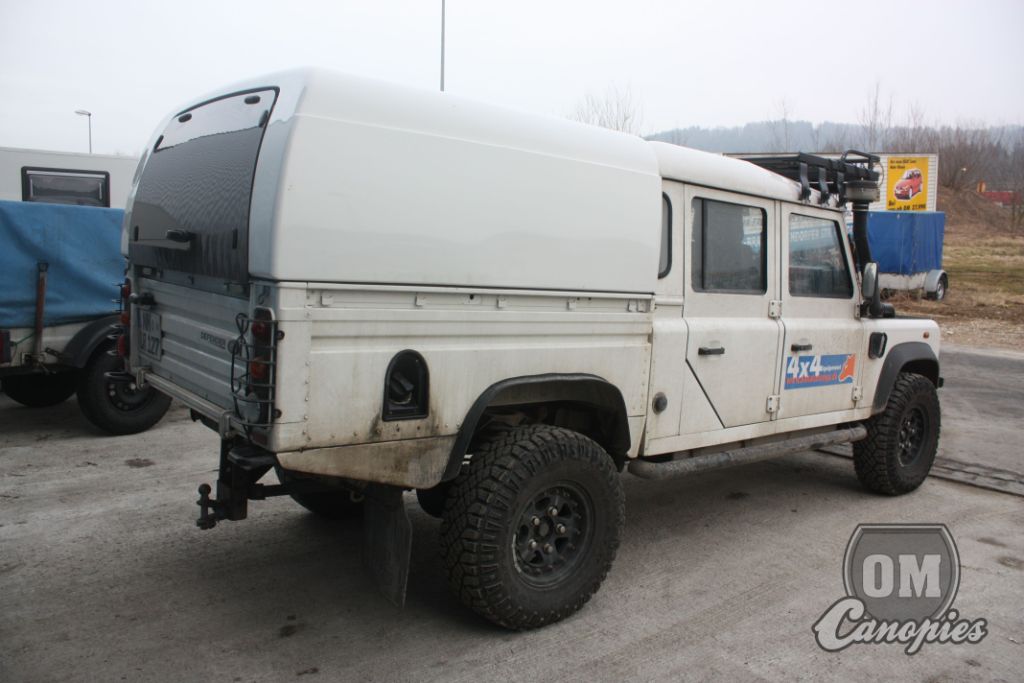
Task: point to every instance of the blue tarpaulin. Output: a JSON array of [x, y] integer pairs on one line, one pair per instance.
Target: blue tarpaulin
[[906, 242], [81, 244]]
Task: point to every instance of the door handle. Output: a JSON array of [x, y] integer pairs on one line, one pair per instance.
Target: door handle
[[710, 351], [800, 347], [182, 236]]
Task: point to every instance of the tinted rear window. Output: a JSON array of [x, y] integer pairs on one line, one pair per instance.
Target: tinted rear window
[[198, 182]]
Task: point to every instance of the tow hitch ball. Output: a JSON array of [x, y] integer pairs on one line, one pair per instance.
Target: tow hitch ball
[[241, 466], [207, 517]]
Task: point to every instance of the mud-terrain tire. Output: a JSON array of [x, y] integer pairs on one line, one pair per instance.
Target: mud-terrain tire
[[117, 407], [41, 391], [902, 440], [531, 526], [330, 504]]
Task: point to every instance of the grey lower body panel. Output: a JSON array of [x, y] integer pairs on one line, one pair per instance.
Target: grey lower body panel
[[712, 461], [412, 463]]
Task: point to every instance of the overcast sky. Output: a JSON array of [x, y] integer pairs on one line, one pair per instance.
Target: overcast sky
[[688, 63]]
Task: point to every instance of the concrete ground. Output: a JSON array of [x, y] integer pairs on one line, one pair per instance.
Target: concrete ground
[[104, 576]]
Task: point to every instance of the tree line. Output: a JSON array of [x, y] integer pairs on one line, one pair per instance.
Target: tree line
[[970, 152]]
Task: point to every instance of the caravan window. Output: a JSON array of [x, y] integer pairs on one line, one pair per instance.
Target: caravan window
[[65, 186]]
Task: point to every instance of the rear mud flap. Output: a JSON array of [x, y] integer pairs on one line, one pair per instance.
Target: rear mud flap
[[388, 540]]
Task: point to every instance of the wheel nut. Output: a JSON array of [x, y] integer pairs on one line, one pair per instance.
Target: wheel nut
[[548, 548], [560, 528], [532, 545], [553, 511], [535, 521]]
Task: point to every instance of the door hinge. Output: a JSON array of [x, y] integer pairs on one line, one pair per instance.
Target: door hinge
[[773, 403], [858, 393], [774, 308]]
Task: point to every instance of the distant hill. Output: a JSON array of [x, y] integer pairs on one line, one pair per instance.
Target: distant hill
[[804, 136], [763, 136]]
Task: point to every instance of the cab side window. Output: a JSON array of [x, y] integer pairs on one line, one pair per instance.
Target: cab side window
[[729, 248], [817, 265]]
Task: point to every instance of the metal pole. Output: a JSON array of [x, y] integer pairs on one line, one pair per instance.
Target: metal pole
[[442, 45], [88, 114]]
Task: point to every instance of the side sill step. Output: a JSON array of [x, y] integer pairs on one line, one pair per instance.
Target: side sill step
[[647, 469]]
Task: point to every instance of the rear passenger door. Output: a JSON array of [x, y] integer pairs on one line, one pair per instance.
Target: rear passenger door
[[731, 279], [822, 331]]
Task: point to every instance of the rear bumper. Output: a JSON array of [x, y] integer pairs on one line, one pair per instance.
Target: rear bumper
[[227, 422]]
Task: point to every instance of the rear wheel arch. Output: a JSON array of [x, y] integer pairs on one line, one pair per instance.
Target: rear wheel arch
[[549, 399]]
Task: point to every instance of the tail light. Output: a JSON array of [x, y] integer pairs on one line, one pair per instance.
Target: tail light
[[253, 361], [263, 346], [126, 319]]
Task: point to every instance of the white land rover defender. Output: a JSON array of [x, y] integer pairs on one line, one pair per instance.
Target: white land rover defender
[[370, 289]]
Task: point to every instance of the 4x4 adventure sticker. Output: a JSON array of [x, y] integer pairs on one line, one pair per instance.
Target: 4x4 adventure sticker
[[820, 371]]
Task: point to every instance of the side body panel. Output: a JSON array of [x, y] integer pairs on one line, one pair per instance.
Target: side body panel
[[331, 387], [386, 185]]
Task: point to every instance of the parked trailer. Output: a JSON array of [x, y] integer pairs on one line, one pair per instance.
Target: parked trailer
[[59, 272], [908, 248]]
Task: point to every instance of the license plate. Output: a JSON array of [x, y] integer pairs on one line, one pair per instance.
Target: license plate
[[150, 335]]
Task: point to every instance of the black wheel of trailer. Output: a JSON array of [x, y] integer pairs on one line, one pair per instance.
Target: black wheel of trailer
[[319, 496], [902, 440], [940, 289], [38, 390], [117, 407], [532, 525]]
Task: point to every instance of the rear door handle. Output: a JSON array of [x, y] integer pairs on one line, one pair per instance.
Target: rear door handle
[[710, 351], [800, 347], [182, 236]]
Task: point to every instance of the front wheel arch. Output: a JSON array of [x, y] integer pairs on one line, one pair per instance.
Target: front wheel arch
[[914, 357]]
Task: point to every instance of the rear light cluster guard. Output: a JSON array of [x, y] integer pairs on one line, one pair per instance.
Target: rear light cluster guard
[[123, 329], [253, 368]]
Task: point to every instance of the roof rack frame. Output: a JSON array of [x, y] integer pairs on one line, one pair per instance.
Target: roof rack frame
[[828, 176]]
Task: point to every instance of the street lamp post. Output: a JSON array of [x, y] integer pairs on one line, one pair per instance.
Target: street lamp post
[[88, 114], [442, 45]]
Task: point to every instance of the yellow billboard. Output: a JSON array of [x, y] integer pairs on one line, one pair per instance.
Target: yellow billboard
[[906, 182]]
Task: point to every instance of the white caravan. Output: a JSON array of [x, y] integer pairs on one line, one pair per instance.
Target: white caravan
[[36, 175]]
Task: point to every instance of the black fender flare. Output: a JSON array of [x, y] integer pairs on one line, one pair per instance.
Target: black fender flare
[[585, 388], [85, 342], [906, 357]]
